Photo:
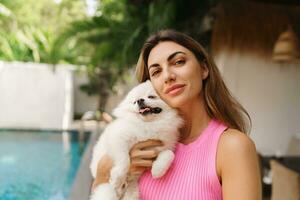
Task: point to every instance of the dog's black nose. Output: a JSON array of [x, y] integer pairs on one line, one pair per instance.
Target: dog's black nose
[[141, 102]]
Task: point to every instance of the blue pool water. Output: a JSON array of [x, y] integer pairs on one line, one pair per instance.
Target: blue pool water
[[38, 165]]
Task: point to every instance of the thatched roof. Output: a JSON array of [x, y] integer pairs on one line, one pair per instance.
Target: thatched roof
[[248, 26]]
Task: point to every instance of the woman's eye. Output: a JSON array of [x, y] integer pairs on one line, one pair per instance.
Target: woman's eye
[[155, 73], [179, 62], [151, 97]]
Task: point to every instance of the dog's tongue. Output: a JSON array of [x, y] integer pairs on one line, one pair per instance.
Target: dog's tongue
[[144, 110]]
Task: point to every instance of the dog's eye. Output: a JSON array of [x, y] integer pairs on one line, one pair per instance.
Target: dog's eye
[[134, 102], [151, 97]]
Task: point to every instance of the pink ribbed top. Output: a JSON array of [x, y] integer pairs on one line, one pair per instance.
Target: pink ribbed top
[[193, 174]]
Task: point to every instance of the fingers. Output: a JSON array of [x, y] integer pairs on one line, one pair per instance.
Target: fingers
[[147, 143], [142, 163], [142, 155], [139, 166], [137, 170], [146, 154]]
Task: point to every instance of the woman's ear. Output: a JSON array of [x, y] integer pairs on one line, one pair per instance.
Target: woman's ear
[[205, 71]]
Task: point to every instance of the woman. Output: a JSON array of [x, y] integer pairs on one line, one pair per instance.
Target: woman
[[214, 158]]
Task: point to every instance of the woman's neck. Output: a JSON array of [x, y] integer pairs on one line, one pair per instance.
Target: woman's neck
[[196, 120]]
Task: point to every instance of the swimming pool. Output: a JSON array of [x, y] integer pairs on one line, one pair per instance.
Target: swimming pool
[[39, 165]]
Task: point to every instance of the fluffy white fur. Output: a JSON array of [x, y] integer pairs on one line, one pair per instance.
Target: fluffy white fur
[[129, 128]]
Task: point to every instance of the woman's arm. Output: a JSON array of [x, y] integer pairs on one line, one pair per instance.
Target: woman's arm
[[141, 155], [238, 167], [103, 171]]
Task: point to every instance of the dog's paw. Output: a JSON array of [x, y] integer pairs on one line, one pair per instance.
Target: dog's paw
[[162, 163], [157, 172]]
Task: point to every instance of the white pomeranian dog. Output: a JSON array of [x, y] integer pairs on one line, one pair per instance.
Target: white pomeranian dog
[[142, 115]]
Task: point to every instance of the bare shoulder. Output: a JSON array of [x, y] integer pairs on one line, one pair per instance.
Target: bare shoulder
[[236, 142], [234, 146], [238, 167]]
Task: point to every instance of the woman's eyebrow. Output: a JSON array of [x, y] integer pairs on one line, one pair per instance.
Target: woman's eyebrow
[[173, 55], [170, 57]]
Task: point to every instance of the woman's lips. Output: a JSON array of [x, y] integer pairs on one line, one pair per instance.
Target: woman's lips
[[175, 89]]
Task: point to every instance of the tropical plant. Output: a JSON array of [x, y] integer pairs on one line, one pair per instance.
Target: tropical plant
[[29, 30], [107, 43], [116, 33], [114, 37]]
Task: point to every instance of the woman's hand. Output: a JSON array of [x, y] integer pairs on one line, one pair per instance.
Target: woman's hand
[[103, 171], [142, 155]]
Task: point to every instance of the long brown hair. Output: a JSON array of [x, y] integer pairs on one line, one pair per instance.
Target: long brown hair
[[219, 103]]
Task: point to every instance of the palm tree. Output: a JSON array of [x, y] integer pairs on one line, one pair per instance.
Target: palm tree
[[114, 36], [113, 39]]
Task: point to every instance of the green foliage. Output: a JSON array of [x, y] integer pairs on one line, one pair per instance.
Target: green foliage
[[107, 43], [27, 45], [44, 14], [161, 15], [29, 30], [116, 34]]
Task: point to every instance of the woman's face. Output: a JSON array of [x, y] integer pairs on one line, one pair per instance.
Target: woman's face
[[176, 73]]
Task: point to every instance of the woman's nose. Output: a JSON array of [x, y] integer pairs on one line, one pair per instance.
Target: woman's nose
[[169, 75]]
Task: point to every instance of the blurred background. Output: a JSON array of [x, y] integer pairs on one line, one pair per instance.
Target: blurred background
[[65, 64]]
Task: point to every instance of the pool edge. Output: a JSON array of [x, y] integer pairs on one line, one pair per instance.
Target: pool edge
[[83, 180]]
